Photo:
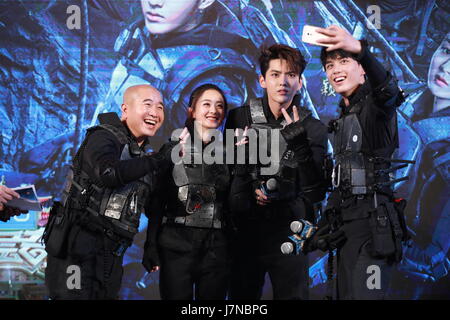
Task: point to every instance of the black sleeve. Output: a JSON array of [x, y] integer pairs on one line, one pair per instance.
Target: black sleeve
[[243, 182], [102, 157], [375, 71], [158, 199], [229, 124], [155, 211], [386, 93], [312, 177], [237, 118]]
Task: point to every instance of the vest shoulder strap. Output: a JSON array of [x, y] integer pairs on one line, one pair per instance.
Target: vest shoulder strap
[[257, 111], [121, 136], [111, 122]]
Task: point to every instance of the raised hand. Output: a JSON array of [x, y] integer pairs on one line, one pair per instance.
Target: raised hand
[[288, 118], [184, 136], [244, 139], [293, 132], [339, 38]]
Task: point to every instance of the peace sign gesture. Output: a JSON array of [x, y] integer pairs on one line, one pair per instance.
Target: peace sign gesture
[[288, 118], [244, 139]]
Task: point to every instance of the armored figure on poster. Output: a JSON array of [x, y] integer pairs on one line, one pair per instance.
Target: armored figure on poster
[[177, 46], [427, 114]]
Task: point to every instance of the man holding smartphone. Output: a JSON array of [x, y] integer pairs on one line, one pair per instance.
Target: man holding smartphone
[[362, 218]]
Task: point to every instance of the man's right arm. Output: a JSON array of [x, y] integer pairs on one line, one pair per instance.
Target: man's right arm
[[154, 211], [243, 184], [102, 157], [387, 95]]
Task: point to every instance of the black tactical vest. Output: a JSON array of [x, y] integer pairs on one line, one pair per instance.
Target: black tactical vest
[[200, 194], [358, 169], [116, 209], [287, 180]]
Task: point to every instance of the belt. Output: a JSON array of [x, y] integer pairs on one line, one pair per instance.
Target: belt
[[216, 223]]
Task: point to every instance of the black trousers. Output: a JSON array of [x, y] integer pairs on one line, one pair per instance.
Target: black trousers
[[368, 279], [288, 274], [256, 251], [90, 271], [194, 263], [360, 276]]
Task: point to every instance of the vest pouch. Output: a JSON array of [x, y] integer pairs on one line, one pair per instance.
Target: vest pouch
[[116, 206], [382, 244], [200, 198], [400, 231], [56, 231], [399, 206]]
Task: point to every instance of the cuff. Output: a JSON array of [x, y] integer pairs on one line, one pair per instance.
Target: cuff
[[364, 49]]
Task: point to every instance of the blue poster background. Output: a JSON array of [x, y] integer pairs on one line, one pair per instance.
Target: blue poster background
[[48, 49]]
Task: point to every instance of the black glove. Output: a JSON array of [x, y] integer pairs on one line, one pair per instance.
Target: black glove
[[162, 159], [295, 134], [324, 240], [150, 258], [296, 138]]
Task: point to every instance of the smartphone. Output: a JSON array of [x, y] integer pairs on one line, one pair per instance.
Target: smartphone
[[310, 35]]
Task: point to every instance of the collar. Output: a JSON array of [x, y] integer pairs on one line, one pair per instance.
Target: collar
[[268, 113], [144, 146], [359, 94]]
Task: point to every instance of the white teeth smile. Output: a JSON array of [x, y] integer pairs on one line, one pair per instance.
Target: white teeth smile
[[339, 79], [150, 122]]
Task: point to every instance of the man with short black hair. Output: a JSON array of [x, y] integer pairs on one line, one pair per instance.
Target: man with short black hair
[[362, 219], [263, 217]]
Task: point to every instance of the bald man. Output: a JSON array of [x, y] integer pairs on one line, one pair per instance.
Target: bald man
[[111, 182]]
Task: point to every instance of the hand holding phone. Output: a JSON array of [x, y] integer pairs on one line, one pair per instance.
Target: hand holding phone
[[311, 35], [333, 37]]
